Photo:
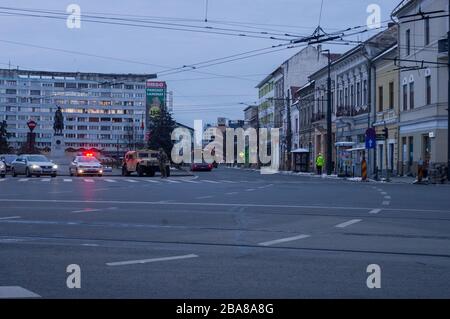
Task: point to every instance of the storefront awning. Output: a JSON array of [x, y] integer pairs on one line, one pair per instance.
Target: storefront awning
[[344, 144], [356, 149], [300, 150]]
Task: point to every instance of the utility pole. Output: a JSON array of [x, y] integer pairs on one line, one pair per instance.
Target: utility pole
[[329, 139], [288, 133], [448, 98]]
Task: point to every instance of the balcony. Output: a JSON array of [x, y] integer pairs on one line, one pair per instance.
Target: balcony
[[348, 111]]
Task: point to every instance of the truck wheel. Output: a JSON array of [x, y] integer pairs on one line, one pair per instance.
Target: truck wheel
[[140, 171], [167, 171], [151, 172]]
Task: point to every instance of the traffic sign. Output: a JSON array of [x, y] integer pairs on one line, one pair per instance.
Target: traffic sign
[[370, 138], [31, 125]]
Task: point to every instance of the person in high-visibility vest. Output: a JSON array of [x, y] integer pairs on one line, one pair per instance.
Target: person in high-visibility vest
[[319, 163]]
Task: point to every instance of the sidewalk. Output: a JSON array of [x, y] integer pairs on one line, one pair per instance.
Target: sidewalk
[[393, 179]]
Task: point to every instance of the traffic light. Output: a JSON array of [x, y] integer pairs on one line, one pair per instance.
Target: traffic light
[[386, 133]]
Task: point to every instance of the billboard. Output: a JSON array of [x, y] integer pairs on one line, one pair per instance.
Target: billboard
[[155, 101]]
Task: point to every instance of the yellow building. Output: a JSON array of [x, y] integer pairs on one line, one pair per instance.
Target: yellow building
[[386, 111]]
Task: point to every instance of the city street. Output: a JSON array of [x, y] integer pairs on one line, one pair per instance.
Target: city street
[[229, 233]]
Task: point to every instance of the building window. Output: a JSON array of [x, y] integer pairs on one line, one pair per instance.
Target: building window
[[411, 95], [427, 31], [391, 95], [380, 99], [296, 124], [365, 91], [408, 42], [405, 97], [358, 93], [428, 89]]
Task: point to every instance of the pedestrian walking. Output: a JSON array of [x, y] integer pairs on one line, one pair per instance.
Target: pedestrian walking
[[162, 158], [319, 163]]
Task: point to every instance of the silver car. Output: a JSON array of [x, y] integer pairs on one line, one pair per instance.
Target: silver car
[[30, 165], [2, 169], [85, 165]]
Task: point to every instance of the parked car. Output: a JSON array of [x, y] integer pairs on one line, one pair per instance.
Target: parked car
[[85, 165], [2, 169], [30, 165], [8, 159]]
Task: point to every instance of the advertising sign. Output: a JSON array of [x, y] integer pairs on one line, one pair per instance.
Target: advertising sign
[[155, 100]]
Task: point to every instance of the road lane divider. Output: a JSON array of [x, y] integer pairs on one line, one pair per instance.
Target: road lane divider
[[145, 261], [16, 292], [11, 217], [375, 211], [283, 240], [348, 223]]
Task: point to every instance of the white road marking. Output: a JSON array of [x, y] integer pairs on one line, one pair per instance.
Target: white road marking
[[385, 202], [46, 180], [67, 180], [375, 211], [90, 245], [231, 193], [348, 223], [130, 181], [190, 181], [250, 190], [203, 197], [12, 217], [24, 180], [170, 181], [282, 240], [383, 193], [151, 181], [387, 197], [86, 210], [110, 180], [231, 182], [2, 179], [208, 181], [88, 180], [144, 261], [16, 292]]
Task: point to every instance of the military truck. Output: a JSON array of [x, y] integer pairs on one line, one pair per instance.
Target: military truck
[[143, 162]]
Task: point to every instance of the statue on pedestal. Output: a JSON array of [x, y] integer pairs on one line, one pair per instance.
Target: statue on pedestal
[[58, 124]]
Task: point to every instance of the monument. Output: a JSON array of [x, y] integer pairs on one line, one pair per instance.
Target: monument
[[57, 149]]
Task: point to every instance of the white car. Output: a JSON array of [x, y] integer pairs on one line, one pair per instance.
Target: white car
[[36, 165], [85, 165], [2, 169]]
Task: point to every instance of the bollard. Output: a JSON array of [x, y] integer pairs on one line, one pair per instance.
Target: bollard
[[364, 170]]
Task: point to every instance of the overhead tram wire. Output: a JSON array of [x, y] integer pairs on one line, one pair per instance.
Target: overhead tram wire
[[155, 25]]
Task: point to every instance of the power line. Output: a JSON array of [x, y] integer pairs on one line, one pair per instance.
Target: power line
[[148, 24]]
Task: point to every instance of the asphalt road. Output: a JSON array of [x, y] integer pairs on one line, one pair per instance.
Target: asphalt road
[[229, 233]]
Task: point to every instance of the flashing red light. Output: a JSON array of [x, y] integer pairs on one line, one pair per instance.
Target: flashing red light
[[89, 155]]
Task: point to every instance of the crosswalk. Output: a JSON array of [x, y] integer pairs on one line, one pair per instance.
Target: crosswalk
[[112, 180]]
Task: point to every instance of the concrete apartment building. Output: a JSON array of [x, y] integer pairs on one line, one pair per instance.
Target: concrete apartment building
[[102, 111], [423, 101]]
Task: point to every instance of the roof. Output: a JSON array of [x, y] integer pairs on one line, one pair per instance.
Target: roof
[[267, 78], [185, 126], [78, 75], [401, 6], [378, 38]]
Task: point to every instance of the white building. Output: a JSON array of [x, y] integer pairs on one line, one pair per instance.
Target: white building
[[423, 87], [102, 111]]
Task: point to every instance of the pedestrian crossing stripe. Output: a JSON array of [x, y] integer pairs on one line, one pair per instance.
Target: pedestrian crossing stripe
[[110, 180]]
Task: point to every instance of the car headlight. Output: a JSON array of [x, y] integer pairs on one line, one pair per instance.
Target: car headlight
[[2, 166], [55, 166], [35, 166]]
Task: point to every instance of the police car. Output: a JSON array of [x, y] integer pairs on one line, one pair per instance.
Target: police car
[[85, 164]]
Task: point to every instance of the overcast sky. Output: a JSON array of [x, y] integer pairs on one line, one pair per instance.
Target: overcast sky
[[196, 95]]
